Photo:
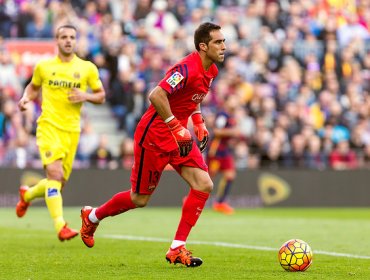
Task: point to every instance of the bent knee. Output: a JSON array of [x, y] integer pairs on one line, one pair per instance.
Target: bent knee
[[140, 203], [55, 174], [209, 187], [54, 171], [140, 200], [206, 186]]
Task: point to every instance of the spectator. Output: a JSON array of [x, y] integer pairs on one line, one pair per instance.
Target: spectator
[[125, 157], [242, 155], [39, 27], [295, 157], [154, 67], [120, 97], [160, 21], [329, 63], [343, 157], [24, 18], [272, 158], [102, 157], [272, 17], [136, 106], [142, 9], [249, 25], [352, 30], [89, 141], [9, 79], [5, 19], [315, 158], [19, 153], [227, 21]]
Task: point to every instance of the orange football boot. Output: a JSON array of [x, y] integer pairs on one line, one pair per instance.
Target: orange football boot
[[183, 256], [223, 207], [22, 205], [67, 233], [88, 228]]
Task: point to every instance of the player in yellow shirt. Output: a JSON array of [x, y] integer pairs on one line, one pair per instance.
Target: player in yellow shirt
[[63, 81]]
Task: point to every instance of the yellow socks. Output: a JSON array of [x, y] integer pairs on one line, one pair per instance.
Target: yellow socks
[[54, 202], [37, 190], [53, 198]]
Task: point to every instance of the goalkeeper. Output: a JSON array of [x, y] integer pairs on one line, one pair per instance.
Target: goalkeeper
[[162, 138]]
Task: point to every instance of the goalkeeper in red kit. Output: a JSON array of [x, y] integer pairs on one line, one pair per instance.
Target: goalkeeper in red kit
[[162, 138]]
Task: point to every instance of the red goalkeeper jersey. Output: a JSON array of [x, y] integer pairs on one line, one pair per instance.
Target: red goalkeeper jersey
[[187, 83]]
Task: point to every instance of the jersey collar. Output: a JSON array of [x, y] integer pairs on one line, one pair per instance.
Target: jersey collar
[[199, 59], [60, 61]]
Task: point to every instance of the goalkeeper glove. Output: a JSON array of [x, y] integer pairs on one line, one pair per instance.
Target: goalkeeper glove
[[200, 130], [182, 136]]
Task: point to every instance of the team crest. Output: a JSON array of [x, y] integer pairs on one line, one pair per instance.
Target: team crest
[[175, 79], [76, 75], [48, 154]]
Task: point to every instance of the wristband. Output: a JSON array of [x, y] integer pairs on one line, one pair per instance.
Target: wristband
[[169, 119]]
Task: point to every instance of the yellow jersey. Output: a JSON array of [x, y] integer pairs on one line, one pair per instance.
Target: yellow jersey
[[56, 79]]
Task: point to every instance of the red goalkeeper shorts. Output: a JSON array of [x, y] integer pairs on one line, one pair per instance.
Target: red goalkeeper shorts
[[149, 165]]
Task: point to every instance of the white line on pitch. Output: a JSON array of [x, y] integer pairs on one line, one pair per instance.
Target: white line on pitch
[[225, 244]]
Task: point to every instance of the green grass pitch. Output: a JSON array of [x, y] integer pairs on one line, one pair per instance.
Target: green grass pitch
[[133, 245]]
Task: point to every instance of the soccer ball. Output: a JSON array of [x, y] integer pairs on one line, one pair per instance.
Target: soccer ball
[[295, 255]]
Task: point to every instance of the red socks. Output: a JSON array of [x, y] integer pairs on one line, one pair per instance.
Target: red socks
[[119, 203], [191, 211]]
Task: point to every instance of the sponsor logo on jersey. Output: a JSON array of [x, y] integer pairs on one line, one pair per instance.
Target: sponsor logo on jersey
[[175, 79], [198, 97], [64, 84], [52, 192]]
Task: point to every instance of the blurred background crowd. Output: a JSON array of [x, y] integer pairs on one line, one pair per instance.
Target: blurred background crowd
[[299, 68]]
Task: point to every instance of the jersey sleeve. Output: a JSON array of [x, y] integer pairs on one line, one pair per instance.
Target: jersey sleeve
[[94, 81], [36, 77], [176, 78]]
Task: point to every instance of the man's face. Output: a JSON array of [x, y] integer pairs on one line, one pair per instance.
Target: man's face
[[66, 40], [216, 47]]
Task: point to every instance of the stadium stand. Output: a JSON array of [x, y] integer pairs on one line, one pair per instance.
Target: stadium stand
[[300, 69]]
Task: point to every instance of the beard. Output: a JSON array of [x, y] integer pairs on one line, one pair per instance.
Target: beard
[[66, 51]]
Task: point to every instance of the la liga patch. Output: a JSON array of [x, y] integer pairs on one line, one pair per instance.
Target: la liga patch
[[52, 192], [174, 79]]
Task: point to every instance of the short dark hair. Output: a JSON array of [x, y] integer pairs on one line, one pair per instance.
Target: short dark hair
[[203, 33], [71, 26]]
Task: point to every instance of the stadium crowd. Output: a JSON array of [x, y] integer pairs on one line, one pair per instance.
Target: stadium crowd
[[300, 68]]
